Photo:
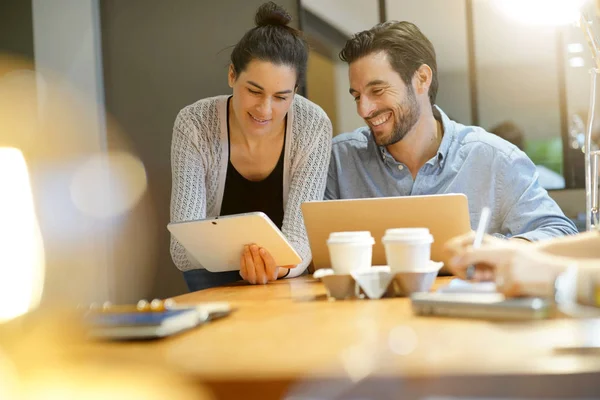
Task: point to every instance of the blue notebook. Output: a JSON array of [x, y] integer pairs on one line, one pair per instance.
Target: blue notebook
[[142, 325]]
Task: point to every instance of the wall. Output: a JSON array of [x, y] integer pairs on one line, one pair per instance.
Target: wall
[[454, 96], [159, 57], [16, 28], [320, 85], [348, 118], [571, 201], [442, 21], [526, 94], [348, 16]]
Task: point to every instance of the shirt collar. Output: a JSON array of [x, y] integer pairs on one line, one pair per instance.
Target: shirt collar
[[448, 134], [383, 152]]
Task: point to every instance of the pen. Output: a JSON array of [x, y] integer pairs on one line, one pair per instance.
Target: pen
[[484, 221]]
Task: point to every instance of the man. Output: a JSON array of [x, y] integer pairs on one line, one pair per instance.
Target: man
[[410, 147]]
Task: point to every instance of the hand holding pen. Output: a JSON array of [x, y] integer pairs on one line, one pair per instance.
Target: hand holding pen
[[478, 256], [484, 221]]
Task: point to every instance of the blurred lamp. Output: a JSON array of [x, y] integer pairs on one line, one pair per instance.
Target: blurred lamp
[[21, 248]]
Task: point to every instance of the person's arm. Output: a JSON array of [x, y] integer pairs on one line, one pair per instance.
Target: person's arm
[[542, 270], [308, 181], [332, 191], [188, 193], [583, 245], [527, 270], [528, 211]]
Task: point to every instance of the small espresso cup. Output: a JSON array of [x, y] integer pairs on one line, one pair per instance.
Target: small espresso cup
[[407, 249], [350, 251]]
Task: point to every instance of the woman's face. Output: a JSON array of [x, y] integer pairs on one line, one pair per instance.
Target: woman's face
[[262, 95]]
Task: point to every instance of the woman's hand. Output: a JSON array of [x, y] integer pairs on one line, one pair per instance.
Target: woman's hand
[[492, 254], [257, 266], [517, 266]]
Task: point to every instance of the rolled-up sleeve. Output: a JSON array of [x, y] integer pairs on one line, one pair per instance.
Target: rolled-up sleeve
[[529, 212]]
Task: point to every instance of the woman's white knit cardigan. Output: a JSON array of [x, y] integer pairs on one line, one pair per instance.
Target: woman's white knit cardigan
[[199, 158]]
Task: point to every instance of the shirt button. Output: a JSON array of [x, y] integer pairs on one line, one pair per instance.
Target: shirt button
[[400, 167]]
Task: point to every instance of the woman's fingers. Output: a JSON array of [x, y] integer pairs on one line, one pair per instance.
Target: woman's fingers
[[482, 272], [271, 268], [259, 265], [485, 261], [490, 255], [243, 272], [250, 269], [458, 243]]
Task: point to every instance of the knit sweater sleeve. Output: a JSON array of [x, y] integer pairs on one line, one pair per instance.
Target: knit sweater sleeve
[[188, 193], [308, 177]]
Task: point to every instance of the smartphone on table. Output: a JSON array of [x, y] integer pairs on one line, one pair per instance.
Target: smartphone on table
[[492, 306]]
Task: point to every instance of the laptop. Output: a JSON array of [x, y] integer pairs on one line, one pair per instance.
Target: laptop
[[446, 216]]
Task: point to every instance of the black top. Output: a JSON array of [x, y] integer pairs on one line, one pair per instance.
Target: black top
[[242, 196]]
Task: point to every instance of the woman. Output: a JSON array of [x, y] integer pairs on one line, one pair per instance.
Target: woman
[[522, 268], [263, 148]]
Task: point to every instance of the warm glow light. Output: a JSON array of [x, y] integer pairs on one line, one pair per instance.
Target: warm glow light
[[575, 48], [576, 62], [21, 248], [93, 383], [8, 378], [541, 12], [108, 185]]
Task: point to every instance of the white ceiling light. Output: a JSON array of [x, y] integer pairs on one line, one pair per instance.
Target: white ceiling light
[[576, 62], [541, 12], [575, 48]]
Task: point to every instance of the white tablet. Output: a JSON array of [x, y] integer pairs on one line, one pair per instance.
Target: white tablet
[[217, 243]]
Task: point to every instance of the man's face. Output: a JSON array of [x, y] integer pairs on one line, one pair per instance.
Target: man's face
[[388, 106]]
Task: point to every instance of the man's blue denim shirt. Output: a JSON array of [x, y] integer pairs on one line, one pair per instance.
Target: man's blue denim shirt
[[489, 170]]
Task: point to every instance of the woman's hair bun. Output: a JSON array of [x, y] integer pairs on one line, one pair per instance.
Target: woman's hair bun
[[271, 14]]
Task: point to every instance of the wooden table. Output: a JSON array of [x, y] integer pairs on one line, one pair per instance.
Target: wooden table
[[287, 337]]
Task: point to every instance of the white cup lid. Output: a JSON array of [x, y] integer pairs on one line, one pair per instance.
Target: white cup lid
[[408, 234], [350, 237]]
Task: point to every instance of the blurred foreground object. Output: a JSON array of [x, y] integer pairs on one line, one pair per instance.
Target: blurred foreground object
[[21, 247], [86, 187], [44, 356]]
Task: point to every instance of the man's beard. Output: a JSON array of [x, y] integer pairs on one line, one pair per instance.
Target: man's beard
[[407, 116]]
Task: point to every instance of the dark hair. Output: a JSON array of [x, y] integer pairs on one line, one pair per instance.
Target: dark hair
[[272, 40], [406, 46], [510, 132]]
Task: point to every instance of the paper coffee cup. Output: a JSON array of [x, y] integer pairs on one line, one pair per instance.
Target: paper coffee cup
[[350, 251], [407, 249]]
